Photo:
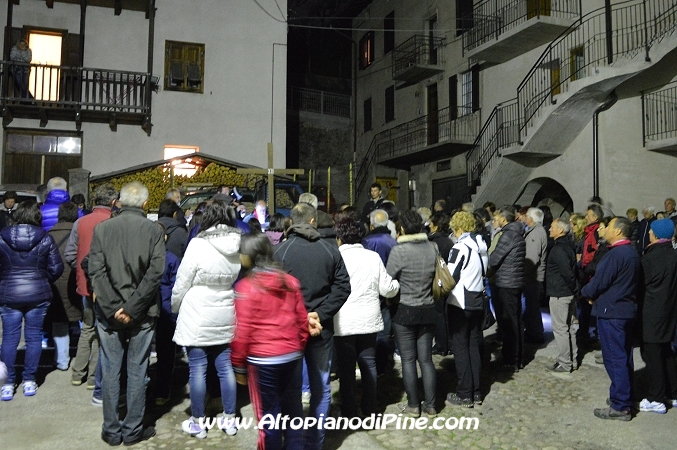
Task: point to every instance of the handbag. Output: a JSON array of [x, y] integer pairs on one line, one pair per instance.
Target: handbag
[[488, 320], [443, 282]]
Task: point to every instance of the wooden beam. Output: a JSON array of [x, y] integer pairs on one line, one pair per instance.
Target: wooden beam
[[113, 122], [83, 14], [50, 4], [42, 114], [118, 7]]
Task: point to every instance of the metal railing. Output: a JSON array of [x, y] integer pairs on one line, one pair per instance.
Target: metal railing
[[74, 87], [492, 18], [418, 134], [302, 99], [417, 50], [659, 114], [500, 130], [637, 24]]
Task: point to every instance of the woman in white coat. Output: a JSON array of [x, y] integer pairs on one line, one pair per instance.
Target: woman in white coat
[[203, 297], [359, 319]]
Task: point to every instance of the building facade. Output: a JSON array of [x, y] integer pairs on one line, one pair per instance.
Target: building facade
[[518, 101], [116, 82]]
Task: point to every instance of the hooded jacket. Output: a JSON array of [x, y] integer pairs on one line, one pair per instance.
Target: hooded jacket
[[361, 313], [203, 294], [468, 263], [50, 209], [177, 236], [318, 266], [507, 259], [271, 318], [29, 262]]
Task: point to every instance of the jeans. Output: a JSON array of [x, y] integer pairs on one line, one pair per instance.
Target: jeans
[[198, 360], [466, 338], [509, 316], [318, 355], [276, 389], [305, 384], [415, 343], [21, 81], [561, 312], [533, 322], [384, 343], [33, 316], [62, 342], [360, 348], [134, 342], [615, 338], [87, 354], [166, 352]]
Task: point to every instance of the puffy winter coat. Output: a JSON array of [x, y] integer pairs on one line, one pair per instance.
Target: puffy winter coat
[[29, 262], [203, 293], [560, 271], [361, 313], [507, 259], [50, 209]]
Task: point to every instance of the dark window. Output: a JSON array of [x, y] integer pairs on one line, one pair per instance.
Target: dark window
[[390, 103], [389, 33], [367, 114], [184, 66], [453, 97], [367, 50], [464, 16], [470, 91]]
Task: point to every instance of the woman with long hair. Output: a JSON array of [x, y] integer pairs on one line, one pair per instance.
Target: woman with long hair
[[29, 262], [412, 262], [204, 298], [271, 333]]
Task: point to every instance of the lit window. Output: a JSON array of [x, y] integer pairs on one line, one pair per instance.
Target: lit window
[[181, 167], [367, 50]]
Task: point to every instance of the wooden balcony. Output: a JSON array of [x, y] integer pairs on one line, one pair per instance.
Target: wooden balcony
[[77, 94]]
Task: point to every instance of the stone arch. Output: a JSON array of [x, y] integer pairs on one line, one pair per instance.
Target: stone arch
[[546, 191]]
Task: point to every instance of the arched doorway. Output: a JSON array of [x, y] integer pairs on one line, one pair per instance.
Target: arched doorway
[[547, 192]]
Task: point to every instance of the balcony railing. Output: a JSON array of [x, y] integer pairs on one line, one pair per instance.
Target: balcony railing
[[321, 102], [84, 89], [418, 50], [659, 113], [637, 24], [500, 130], [492, 18], [418, 134]]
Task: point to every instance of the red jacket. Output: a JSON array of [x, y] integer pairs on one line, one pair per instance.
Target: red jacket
[[271, 317], [589, 244], [85, 232]]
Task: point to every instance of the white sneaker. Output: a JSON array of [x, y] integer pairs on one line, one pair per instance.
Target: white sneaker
[[227, 424], [654, 407], [30, 388], [192, 427], [397, 358], [305, 398], [674, 402]]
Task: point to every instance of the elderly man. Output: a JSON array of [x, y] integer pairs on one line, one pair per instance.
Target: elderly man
[[534, 274], [643, 242], [613, 293], [325, 285], [507, 263], [562, 287], [126, 263]]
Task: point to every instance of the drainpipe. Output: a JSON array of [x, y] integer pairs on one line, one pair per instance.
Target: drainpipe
[[611, 101]]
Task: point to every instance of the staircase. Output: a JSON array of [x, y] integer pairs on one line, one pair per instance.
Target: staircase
[[556, 100]]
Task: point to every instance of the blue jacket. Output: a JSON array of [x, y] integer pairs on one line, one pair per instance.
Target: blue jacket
[[29, 262], [614, 286], [167, 283], [381, 242], [50, 209]]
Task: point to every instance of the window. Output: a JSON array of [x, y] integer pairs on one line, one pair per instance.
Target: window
[[464, 16], [184, 167], [367, 50], [390, 103], [184, 66], [577, 61], [470, 91], [389, 33], [367, 115]]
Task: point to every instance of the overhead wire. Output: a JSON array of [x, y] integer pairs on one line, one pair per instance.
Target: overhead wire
[[269, 14], [280, 9]]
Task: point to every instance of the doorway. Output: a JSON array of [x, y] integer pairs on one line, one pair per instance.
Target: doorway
[[43, 82]]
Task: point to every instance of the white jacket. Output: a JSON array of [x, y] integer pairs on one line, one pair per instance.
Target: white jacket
[[466, 267], [361, 313], [203, 292]]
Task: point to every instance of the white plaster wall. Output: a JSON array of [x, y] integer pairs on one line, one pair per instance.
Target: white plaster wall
[[242, 95]]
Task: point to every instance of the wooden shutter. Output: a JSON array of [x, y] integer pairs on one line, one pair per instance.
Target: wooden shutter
[[475, 88], [453, 97]]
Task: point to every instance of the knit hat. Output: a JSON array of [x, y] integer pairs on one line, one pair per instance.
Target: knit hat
[[663, 228]]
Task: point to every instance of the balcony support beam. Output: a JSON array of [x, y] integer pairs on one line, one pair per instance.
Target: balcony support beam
[[83, 13], [112, 122], [42, 114], [118, 7], [50, 4]]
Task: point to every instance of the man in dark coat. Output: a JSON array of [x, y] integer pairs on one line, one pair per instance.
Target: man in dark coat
[[659, 318], [176, 232], [613, 291], [507, 263]]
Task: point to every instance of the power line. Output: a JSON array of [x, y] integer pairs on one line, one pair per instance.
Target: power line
[[317, 27], [269, 14], [279, 9]]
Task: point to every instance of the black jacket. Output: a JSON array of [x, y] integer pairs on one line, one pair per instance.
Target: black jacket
[[560, 269], [443, 242], [507, 259], [659, 306], [318, 266], [176, 235], [370, 206], [29, 262]]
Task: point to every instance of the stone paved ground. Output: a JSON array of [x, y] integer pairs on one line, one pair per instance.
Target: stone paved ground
[[533, 409]]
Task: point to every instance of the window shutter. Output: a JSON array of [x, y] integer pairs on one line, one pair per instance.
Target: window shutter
[[475, 88], [453, 97]]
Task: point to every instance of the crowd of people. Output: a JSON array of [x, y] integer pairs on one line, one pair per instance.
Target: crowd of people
[[279, 304]]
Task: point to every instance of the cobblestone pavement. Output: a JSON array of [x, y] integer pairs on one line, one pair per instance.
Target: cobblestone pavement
[[533, 409]]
